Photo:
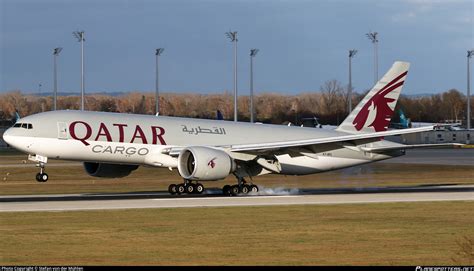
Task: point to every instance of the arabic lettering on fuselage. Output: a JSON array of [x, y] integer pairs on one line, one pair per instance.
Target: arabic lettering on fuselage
[[200, 130]]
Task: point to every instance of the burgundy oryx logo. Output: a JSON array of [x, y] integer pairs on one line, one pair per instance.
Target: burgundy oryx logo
[[211, 163], [380, 103]]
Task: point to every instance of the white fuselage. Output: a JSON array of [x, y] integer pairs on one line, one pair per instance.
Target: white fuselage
[[143, 140]]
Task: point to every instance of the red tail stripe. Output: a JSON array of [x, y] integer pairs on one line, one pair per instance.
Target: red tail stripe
[[392, 82], [387, 91]]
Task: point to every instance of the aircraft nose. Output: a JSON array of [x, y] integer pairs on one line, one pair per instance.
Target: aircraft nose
[[7, 136]]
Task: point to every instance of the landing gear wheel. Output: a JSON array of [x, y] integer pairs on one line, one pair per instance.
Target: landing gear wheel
[[226, 190], [234, 190], [245, 189], [199, 188], [190, 188], [180, 189], [44, 177], [253, 188], [172, 189]]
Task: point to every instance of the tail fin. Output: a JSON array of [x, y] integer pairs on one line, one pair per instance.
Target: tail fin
[[403, 120], [16, 117], [374, 112], [402, 115]]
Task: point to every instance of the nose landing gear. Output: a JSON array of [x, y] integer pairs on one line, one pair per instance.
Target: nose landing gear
[[41, 176]]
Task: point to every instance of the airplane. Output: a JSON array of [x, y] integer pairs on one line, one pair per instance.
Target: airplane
[[113, 145], [404, 122]]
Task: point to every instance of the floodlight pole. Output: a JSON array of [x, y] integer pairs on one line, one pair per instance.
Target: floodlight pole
[[253, 53], [352, 53], [80, 36], [55, 99], [158, 52], [233, 38], [373, 37], [470, 53]]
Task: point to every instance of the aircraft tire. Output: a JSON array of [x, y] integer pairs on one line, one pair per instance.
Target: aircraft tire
[[190, 188], [42, 177], [180, 189], [234, 190], [172, 189], [199, 188], [254, 188], [226, 190], [245, 189]]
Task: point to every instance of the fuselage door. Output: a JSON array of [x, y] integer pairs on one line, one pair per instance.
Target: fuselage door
[[62, 130]]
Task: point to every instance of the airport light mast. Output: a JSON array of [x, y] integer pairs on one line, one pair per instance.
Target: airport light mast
[[253, 53], [352, 53], [233, 38], [79, 35], [470, 53], [158, 52], [55, 97], [373, 37]]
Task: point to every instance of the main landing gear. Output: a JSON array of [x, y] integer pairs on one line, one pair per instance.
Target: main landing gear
[[41, 176], [241, 188], [186, 187]]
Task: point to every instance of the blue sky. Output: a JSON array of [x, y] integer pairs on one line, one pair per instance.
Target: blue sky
[[302, 44]]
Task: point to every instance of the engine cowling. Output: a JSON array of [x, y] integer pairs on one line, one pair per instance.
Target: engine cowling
[[205, 164], [103, 170]]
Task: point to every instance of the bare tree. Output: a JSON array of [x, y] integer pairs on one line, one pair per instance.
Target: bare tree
[[332, 92], [454, 100]]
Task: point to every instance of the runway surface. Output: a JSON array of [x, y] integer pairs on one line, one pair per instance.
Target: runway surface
[[80, 202], [454, 157]]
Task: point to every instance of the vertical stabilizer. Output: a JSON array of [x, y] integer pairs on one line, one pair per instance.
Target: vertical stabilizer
[[374, 112]]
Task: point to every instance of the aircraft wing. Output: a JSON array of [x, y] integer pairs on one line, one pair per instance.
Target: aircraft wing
[[325, 140], [405, 147]]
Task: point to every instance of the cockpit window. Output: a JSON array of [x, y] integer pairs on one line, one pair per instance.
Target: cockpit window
[[23, 125]]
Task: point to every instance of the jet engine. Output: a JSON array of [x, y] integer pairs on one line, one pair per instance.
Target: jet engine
[[205, 164], [103, 170]]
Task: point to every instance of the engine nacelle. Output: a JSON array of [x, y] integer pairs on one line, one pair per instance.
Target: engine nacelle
[[205, 164], [103, 170]]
